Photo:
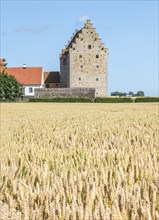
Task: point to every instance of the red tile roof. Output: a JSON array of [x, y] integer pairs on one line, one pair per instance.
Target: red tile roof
[[1, 65], [1, 61], [28, 76]]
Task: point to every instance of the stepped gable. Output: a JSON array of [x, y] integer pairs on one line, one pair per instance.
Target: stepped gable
[[83, 62], [78, 34], [72, 40]]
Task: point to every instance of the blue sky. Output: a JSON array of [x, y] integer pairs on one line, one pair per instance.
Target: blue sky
[[34, 32]]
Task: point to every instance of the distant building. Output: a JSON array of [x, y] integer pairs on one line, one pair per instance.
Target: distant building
[[83, 62], [2, 65], [29, 77], [52, 79]]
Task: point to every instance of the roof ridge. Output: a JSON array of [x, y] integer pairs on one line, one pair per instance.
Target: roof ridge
[[26, 67]]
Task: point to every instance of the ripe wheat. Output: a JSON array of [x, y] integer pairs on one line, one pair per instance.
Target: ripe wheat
[[79, 161]]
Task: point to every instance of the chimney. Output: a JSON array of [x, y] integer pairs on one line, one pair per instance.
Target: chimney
[[24, 66], [88, 24]]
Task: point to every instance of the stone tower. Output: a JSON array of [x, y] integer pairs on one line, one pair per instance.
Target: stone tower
[[83, 62]]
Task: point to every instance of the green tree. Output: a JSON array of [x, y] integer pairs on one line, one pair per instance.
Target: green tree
[[116, 93], [130, 93], [10, 89], [140, 93]]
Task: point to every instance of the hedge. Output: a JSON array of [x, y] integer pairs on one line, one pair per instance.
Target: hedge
[[113, 100], [96, 100], [147, 99], [67, 99]]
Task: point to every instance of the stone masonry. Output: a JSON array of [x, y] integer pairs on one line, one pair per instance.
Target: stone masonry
[[64, 92], [83, 62]]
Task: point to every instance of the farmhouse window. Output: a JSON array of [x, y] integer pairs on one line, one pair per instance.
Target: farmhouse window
[[30, 90], [23, 90]]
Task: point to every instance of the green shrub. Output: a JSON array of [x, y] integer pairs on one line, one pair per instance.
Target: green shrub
[[62, 99], [147, 99], [113, 100], [96, 100], [10, 88]]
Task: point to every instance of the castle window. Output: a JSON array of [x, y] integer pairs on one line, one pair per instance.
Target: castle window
[[79, 79], [102, 48], [80, 56], [97, 56], [89, 46], [96, 79], [64, 61], [97, 66], [95, 39], [81, 39], [47, 85], [81, 66]]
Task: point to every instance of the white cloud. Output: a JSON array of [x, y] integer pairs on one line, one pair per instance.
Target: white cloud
[[32, 29], [83, 19]]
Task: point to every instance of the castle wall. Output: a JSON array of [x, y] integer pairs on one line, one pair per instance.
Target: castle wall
[[64, 92], [87, 61], [89, 66], [65, 70]]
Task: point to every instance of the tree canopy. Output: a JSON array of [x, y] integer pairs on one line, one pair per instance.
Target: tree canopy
[[10, 88]]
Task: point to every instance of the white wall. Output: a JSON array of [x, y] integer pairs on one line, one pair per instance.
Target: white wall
[[27, 89]]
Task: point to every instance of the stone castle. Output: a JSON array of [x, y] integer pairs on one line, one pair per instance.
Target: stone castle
[[83, 62], [83, 69]]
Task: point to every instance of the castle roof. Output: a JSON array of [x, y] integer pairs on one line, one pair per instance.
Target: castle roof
[[26, 76]]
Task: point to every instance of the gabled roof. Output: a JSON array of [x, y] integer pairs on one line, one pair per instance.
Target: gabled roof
[[26, 76], [1, 65], [65, 50], [46, 75], [53, 77], [89, 27], [1, 61]]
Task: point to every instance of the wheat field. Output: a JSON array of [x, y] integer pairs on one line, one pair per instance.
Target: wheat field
[[79, 161]]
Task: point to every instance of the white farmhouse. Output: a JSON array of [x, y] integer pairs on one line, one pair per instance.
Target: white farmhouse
[[29, 77]]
